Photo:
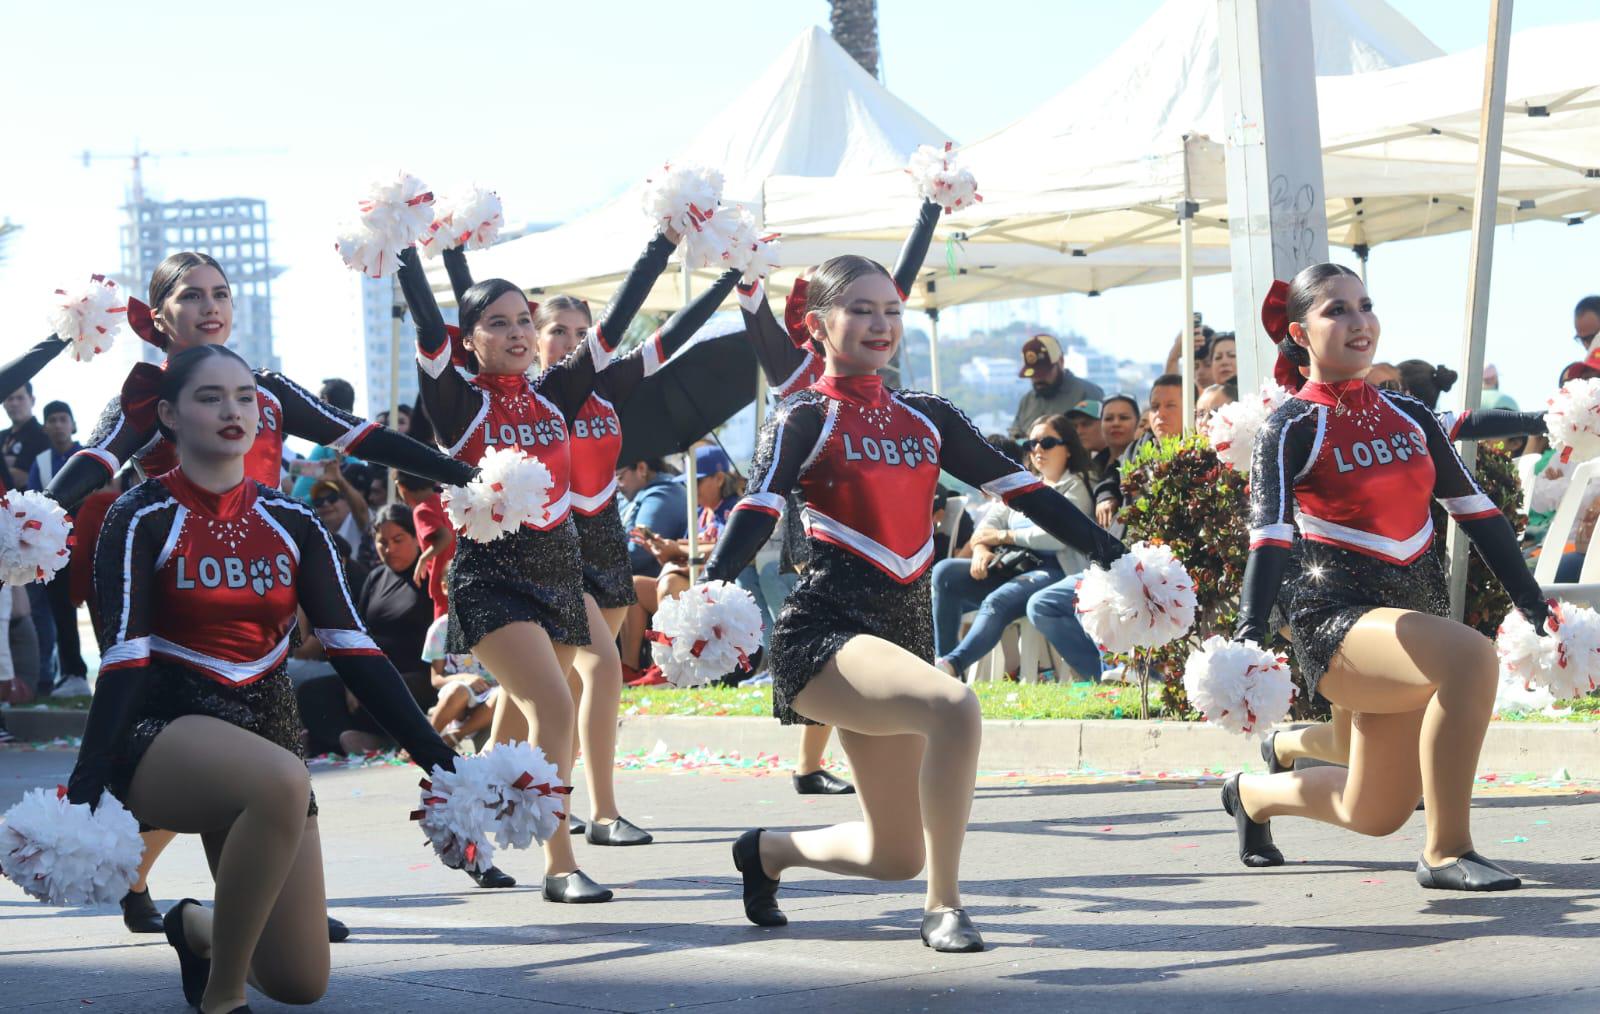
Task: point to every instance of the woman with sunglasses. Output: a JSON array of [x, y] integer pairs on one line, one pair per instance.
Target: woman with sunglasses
[[198, 574], [561, 324], [1012, 558]]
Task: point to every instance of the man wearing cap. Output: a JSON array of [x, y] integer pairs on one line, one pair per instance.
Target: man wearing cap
[[1055, 390]]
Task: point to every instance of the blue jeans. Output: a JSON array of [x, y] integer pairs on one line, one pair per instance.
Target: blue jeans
[[1566, 572], [999, 604], [1054, 612], [770, 590]]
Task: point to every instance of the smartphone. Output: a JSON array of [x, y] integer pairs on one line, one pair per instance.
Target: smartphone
[[305, 467]]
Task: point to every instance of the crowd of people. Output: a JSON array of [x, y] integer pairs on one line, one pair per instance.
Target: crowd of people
[[358, 619]]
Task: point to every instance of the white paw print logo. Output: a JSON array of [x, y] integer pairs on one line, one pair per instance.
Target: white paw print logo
[[1402, 448], [910, 451], [261, 577], [541, 431]]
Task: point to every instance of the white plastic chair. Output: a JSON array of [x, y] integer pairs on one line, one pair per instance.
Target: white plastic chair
[[1563, 526], [950, 526]]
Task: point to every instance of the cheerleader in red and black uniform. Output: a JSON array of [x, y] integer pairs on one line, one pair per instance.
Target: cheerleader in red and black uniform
[[790, 365], [1367, 608], [561, 324], [191, 304], [194, 727], [854, 645], [517, 604]]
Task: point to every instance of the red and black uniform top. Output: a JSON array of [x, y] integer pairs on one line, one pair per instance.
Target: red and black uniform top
[[1355, 467], [208, 584], [472, 412], [127, 429], [866, 462]]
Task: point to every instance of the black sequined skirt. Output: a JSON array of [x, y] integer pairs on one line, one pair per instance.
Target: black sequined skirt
[[841, 596], [603, 544], [266, 707], [525, 576], [1330, 588]]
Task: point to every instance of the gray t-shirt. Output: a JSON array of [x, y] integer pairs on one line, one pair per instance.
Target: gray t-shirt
[[1068, 393]]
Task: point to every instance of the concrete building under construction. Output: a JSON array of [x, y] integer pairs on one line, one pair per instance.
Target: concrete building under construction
[[231, 229]]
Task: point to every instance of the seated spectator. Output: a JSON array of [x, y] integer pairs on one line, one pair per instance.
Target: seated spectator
[[467, 692], [1012, 557], [1119, 421], [654, 502], [1211, 399], [1085, 415], [1425, 382], [339, 394], [942, 548], [434, 533], [344, 514], [1493, 397]]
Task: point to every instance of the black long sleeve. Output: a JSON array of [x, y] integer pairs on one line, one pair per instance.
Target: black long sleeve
[[618, 381], [786, 441], [455, 265], [112, 711], [633, 291], [376, 684], [1263, 577], [915, 250], [23, 368], [1489, 424]]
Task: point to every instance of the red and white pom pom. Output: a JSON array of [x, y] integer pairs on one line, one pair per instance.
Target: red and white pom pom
[[683, 197], [941, 180], [510, 489], [471, 219], [1573, 420], [33, 537], [458, 814], [754, 255], [63, 853], [1237, 685], [89, 316], [392, 214], [1232, 428], [1144, 600], [712, 245], [1566, 661], [705, 633], [530, 798], [365, 250]]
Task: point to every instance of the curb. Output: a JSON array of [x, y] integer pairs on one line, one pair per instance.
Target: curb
[[1031, 747]]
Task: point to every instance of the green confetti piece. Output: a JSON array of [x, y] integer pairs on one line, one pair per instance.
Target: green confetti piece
[[1513, 840]]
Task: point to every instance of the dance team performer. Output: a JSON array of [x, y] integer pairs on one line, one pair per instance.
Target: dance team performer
[[789, 364], [853, 647], [193, 725], [517, 604], [1367, 607], [561, 324]]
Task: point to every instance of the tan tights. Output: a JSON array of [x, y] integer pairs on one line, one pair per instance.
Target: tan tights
[[1326, 741], [912, 735], [1420, 690], [247, 798], [595, 680], [813, 741], [155, 843], [534, 704]]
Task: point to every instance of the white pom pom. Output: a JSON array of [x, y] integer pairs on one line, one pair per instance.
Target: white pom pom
[[530, 798], [705, 633], [753, 255], [33, 537], [510, 489], [1573, 420], [940, 180], [89, 316], [458, 813], [1565, 661], [1237, 685], [366, 251], [711, 246], [1232, 428], [683, 197], [1145, 600], [65, 854], [470, 219], [393, 214]]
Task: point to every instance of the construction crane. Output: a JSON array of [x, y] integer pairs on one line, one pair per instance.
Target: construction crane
[[138, 155]]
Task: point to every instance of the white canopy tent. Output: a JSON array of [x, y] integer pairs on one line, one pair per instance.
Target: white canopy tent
[[1104, 163]]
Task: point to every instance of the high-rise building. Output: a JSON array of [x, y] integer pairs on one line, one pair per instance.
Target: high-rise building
[[231, 229], [378, 297]]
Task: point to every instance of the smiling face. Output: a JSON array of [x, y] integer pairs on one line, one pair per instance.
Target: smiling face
[[503, 337], [216, 414], [862, 328], [559, 335], [199, 310], [1340, 330]]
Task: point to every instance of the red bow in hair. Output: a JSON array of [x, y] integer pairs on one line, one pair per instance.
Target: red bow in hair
[[144, 324], [794, 315], [140, 392], [1275, 318]]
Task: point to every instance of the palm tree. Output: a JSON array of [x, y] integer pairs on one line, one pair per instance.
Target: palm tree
[[854, 24]]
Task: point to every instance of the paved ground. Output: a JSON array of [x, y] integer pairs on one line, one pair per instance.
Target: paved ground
[[1094, 895]]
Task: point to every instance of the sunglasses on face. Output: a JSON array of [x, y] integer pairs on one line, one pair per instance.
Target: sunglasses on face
[[1389, 385], [1043, 444], [326, 500]]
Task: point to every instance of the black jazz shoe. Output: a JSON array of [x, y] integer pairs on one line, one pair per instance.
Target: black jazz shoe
[[1471, 872], [139, 913], [575, 888], [822, 783], [338, 932], [951, 932], [621, 831], [493, 877], [1269, 753], [193, 969], [575, 826], [760, 890], [1255, 839]]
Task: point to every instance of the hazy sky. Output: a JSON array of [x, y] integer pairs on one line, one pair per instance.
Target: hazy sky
[[559, 106]]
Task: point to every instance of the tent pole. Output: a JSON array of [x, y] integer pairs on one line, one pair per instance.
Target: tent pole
[[933, 348], [688, 461], [1490, 130], [1186, 212], [397, 311]]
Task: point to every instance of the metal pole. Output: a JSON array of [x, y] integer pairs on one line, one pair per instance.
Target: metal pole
[[1485, 198], [688, 461], [933, 348], [1186, 212], [397, 313]]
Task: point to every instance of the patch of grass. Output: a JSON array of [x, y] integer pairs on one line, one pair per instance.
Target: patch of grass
[[999, 700]]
